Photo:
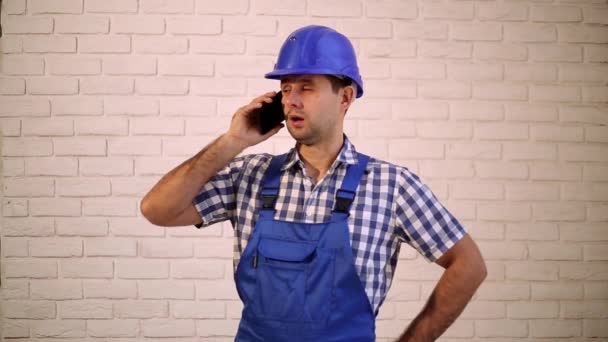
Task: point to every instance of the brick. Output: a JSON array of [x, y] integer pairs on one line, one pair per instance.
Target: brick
[[26, 147], [596, 290], [166, 249], [596, 252], [555, 93], [54, 207], [161, 86], [535, 73], [134, 24], [146, 166], [595, 94], [532, 192], [556, 133], [476, 31], [83, 24], [79, 146], [12, 86], [477, 150], [199, 269], [28, 187], [110, 289], [531, 112], [555, 14], [501, 328], [15, 268], [77, 105], [216, 289], [438, 130], [476, 190], [452, 11], [13, 167], [499, 212], [130, 187], [15, 7], [501, 170], [500, 91], [14, 328], [482, 111], [15, 289], [502, 131], [134, 146], [254, 26], [402, 110], [340, 8], [104, 44], [164, 6], [386, 128], [160, 45], [28, 309], [134, 227], [141, 309], [113, 328], [163, 289], [129, 65], [47, 127], [417, 149], [475, 72], [369, 48], [56, 289], [109, 207], [185, 66], [107, 85], [139, 105], [421, 30], [87, 268], [52, 86], [392, 9], [503, 251], [583, 114], [455, 50], [81, 226], [194, 26], [533, 310], [413, 71], [530, 32], [45, 44], [595, 328], [556, 53], [12, 45], [557, 291], [583, 34], [596, 134], [583, 271], [443, 90], [209, 310], [584, 192], [583, 232], [595, 173], [555, 251], [566, 211], [492, 11], [168, 328], [59, 329], [59, 166], [500, 51], [368, 28], [555, 171], [555, 328], [55, 6], [106, 166], [188, 106], [85, 309], [217, 45], [596, 53], [583, 73], [111, 6], [77, 187], [595, 15], [142, 269], [503, 291], [27, 25], [14, 247], [19, 65], [102, 126], [217, 87], [15, 207], [529, 151], [535, 271], [591, 153], [225, 7]]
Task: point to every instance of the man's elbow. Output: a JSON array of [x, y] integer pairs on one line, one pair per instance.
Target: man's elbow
[[152, 214]]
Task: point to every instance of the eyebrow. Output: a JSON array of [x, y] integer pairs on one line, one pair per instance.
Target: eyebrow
[[307, 80]]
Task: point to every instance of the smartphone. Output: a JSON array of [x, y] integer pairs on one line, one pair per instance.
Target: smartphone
[[270, 115]]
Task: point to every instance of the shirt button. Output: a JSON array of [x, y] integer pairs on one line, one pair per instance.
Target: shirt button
[[309, 212]]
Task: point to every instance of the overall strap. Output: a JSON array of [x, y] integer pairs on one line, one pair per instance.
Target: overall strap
[[271, 182], [346, 194]]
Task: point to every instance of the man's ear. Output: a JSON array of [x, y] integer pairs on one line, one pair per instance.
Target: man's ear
[[348, 96]]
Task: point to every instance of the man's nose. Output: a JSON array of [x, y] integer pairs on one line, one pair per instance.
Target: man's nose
[[292, 99]]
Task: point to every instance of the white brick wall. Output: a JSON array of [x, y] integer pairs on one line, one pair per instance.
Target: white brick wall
[[500, 106]]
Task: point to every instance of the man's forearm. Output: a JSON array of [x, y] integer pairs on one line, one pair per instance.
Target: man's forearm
[[449, 298], [175, 190]]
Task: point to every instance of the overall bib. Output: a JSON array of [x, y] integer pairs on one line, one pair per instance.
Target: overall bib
[[298, 281]]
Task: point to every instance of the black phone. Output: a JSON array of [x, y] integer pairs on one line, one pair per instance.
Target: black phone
[[270, 114]]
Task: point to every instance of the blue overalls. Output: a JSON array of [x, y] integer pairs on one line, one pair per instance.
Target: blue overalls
[[298, 281]]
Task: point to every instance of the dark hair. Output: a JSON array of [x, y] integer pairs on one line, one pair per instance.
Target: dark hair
[[339, 82]]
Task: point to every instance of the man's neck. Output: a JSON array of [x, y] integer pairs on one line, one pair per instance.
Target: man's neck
[[318, 158]]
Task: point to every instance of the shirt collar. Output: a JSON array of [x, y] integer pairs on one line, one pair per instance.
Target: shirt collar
[[347, 155]]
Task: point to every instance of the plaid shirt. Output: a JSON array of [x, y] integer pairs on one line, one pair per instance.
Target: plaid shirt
[[392, 206]]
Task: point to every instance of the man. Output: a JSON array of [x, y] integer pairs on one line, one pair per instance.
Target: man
[[318, 230]]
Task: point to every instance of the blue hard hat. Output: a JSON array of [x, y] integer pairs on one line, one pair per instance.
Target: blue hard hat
[[317, 50]]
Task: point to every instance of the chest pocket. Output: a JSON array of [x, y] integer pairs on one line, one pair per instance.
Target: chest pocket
[[293, 278]]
